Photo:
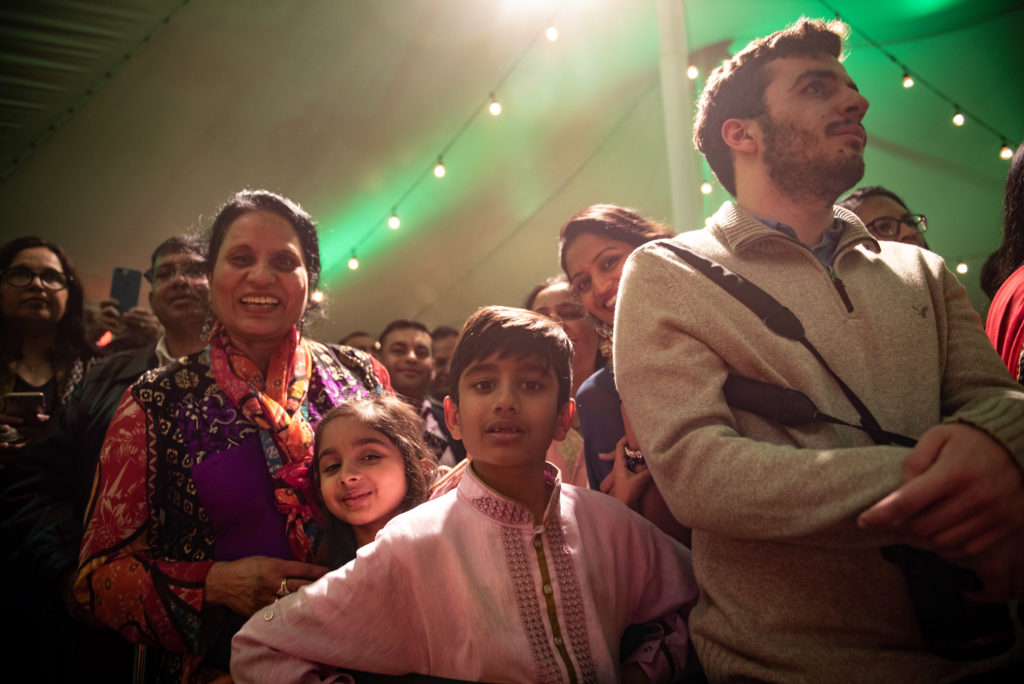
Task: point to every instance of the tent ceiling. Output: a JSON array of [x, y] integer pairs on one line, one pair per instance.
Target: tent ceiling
[[125, 121]]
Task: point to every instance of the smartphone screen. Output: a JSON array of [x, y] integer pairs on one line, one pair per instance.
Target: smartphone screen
[[124, 287], [24, 405]]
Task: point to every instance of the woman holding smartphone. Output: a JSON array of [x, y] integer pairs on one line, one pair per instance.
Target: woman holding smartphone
[[41, 302]]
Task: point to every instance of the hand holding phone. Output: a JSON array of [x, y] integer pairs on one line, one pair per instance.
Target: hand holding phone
[[26, 406]]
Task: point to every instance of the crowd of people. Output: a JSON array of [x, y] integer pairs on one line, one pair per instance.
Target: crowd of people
[[780, 448]]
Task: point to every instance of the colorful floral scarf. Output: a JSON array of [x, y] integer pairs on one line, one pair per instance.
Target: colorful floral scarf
[[273, 404]]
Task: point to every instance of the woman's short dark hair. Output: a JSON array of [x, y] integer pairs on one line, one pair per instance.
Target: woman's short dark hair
[[611, 221], [247, 201], [71, 327]]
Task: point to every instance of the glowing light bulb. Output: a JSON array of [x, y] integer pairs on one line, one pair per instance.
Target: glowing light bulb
[[353, 263], [439, 170], [908, 82], [552, 33], [316, 297], [958, 119], [1005, 152], [394, 221], [692, 72], [705, 188], [961, 267], [495, 107]]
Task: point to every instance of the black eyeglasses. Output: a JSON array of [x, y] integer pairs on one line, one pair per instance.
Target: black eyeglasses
[[22, 276], [888, 226], [190, 270]]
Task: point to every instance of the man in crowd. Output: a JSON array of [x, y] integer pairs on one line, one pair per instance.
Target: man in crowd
[[442, 345], [789, 520], [405, 350], [886, 216], [43, 508]]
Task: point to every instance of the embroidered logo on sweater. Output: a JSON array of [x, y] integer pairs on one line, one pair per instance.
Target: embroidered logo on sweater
[[922, 311]]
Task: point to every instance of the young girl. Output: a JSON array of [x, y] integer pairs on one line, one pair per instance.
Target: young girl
[[370, 463]]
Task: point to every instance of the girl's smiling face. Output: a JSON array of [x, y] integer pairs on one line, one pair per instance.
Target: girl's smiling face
[[362, 476]]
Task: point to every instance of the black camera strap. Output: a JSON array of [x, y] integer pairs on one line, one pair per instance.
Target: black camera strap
[[778, 403]]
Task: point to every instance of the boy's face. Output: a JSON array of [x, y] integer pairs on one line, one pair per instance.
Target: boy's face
[[508, 411]]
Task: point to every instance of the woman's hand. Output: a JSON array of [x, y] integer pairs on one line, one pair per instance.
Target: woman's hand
[[622, 483], [15, 433], [248, 584]]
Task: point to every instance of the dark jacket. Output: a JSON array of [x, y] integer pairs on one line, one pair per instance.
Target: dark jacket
[[48, 487]]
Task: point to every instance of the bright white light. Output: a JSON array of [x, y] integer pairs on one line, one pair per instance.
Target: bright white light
[[692, 72], [439, 170], [394, 222], [316, 297], [552, 33], [353, 263], [958, 119], [961, 267], [705, 188], [494, 108], [908, 82], [1005, 152]]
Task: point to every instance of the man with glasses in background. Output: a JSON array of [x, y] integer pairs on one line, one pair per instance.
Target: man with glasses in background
[[886, 216]]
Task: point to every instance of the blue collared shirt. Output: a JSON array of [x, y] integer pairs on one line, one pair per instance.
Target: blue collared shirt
[[824, 250]]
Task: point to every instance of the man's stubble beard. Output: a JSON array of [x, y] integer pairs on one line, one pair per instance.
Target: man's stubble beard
[[806, 179]]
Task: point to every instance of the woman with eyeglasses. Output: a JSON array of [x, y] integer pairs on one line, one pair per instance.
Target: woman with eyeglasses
[[555, 299], [593, 248], [43, 347]]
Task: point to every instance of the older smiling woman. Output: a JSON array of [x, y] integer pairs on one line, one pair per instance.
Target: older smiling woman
[[200, 514]]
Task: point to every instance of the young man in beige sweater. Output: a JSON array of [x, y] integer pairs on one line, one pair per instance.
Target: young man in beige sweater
[[789, 521]]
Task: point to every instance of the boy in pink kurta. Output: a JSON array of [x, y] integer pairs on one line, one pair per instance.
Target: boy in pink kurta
[[511, 577]]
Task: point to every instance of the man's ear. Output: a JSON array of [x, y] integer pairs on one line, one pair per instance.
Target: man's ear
[[451, 417], [564, 420], [741, 135]]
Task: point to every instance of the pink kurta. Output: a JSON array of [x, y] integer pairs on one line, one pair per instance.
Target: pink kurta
[[466, 586]]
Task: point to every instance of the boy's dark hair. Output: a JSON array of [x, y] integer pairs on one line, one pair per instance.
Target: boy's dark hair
[[735, 89], [860, 195], [401, 324], [396, 420], [515, 333]]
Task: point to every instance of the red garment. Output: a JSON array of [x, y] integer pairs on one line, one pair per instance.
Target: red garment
[[1005, 324]]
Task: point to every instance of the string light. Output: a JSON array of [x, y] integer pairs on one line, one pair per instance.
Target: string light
[[551, 33], [960, 115], [353, 262], [705, 188], [316, 297], [495, 107], [692, 72], [439, 169], [961, 266], [394, 222]]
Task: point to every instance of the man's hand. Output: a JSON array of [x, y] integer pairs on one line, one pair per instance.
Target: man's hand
[[961, 493]]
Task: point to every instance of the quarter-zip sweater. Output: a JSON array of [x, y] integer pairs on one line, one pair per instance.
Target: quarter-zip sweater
[[791, 588]]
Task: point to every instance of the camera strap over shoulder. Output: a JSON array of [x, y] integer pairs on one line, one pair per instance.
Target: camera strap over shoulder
[[785, 406]]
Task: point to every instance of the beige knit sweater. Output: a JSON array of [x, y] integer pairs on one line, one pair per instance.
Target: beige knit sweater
[[791, 589]]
